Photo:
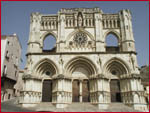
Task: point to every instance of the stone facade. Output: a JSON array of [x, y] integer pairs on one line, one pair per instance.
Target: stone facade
[[19, 85], [81, 68], [10, 59]]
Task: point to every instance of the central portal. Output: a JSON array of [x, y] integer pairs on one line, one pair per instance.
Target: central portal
[[75, 91], [85, 91], [80, 90]]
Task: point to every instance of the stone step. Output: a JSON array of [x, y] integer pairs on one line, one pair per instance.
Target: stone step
[[120, 107], [83, 107], [73, 107], [45, 106]]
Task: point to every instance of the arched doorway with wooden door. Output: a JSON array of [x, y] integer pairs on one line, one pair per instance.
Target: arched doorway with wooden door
[[114, 69], [115, 90], [80, 69], [85, 91], [46, 69], [47, 90], [81, 88], [75, 91]]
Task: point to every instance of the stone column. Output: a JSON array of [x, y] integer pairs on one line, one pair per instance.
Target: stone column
[[29, 94], [112, 22], [75, 21], [84, 22], [80, 85], [61, 32], [62, 93], [103, 91], [131, 95], [108, 23], [98, 32], [105, 24], [116, 24]]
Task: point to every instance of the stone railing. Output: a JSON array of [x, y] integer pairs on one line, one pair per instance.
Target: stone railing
[[87, 22], [49, 23], [74, 10], [110, 21]]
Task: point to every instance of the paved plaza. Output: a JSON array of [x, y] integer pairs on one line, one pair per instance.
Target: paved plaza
[[12, 106]]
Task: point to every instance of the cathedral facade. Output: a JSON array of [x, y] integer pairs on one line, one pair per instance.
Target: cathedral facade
[[81, 67]]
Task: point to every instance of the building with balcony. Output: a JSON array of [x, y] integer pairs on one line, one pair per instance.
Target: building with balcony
[[10, 59]]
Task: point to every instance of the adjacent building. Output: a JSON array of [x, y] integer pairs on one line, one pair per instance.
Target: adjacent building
[[82, 67], [19, 85], [10, 59], [144, 71]]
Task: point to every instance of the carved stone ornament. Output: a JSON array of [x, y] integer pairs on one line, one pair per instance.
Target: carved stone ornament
[[80, 38]]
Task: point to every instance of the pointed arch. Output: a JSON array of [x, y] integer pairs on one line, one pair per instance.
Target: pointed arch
[[79, 30], [117, 65], [46, 34], [115, 33], [44, 66], [112, 41], [83, 62]]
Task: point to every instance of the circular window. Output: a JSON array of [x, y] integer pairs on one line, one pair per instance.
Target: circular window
[[80, 38], [48, 73], [114, 72]]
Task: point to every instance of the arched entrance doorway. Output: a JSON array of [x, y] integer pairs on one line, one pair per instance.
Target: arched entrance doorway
[[115, 68], [80, 69], [47, 91], [115, 90], [75, 91], [85, 91], [46, 69], [80, 91], [80, 84]]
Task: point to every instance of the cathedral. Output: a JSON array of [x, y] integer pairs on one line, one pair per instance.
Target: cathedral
[[82, 67]]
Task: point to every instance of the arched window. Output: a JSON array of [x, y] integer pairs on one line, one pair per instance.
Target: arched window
[[112, 43], [49, 44]]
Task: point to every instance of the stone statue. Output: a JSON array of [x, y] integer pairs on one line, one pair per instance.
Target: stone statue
[[99, 61], [80, 20], [29, 64], [29, 61], [61, 62], [132, 61]]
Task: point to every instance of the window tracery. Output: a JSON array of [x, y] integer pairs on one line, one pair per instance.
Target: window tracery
[[80, 38]]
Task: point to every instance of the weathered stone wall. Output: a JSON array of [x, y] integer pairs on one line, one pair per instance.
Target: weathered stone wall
[[80, 55], [11, 55]]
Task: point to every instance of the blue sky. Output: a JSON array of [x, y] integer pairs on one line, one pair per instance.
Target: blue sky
[[15, 18]]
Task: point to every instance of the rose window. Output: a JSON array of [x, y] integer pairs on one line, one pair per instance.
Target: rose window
[[80, 38]]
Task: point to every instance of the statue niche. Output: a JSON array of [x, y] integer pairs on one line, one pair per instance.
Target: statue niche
[[80, 19]]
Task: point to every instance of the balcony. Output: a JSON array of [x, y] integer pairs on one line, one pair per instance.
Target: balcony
[[112, 49]]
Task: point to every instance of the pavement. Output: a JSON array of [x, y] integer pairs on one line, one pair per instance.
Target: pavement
[[74, 107], [13, 106], [120, 107], [84, 107]]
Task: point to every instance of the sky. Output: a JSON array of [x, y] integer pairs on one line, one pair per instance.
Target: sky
[[15, 18]]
